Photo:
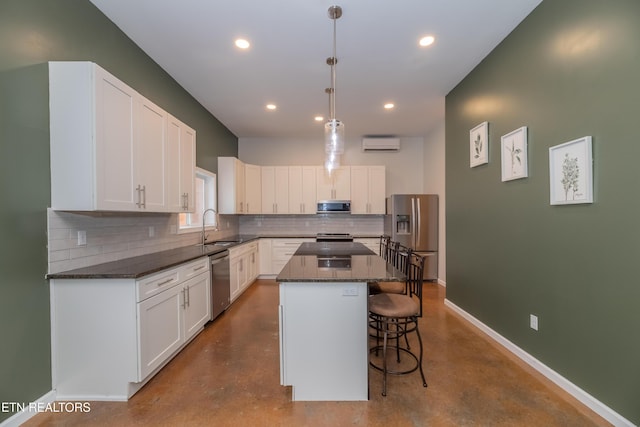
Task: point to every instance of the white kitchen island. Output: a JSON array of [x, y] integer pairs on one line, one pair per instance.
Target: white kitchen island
[[324, 352]]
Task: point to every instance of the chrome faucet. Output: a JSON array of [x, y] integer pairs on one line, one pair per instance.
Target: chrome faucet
[[204, 236]]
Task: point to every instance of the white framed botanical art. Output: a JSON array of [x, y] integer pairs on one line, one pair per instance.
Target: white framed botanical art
[[514, 154], [571, 172], [479, 145]]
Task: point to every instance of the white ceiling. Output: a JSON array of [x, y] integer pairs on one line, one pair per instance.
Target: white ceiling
[[379, 59]]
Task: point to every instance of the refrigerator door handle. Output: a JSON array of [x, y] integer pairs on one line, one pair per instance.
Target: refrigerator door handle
[[418, 229], [413, 223]]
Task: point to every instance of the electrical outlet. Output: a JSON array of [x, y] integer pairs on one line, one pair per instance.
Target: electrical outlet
[[152, 231], [82, 238], [533, 322], [350, 291]]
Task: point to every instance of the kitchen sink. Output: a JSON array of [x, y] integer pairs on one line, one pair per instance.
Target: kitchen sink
[[223, 243]]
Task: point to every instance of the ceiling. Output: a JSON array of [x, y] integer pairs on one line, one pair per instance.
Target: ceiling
[[379, 59]]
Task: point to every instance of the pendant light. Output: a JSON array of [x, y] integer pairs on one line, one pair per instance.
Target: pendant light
[[333, 128]]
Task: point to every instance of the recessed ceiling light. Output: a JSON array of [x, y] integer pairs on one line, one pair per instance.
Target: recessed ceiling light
[[426, 41], [318, 118], [271, 106], [242, 44], [389, 105]]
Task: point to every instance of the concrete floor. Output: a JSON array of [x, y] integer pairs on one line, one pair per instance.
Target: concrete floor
[[229, 376]]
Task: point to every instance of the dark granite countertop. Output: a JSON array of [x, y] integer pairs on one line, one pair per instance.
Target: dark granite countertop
[[337, 262], [143, 265], [139, 266]]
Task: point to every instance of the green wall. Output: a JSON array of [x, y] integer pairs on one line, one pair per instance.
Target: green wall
[[571, 69], [33, 32]]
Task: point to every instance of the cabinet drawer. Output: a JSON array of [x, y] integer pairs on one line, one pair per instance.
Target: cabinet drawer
[[283, 249], [193, 268], [240, 250], [156, 283]]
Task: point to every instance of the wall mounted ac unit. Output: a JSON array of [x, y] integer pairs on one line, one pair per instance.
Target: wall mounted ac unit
[[380, 144]]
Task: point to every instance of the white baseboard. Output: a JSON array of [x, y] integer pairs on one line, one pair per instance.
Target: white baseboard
[[29, 411], [584, 397]]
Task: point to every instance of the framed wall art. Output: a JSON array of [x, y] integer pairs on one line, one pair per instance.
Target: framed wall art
[[514, 154], [571, 172], [479, 145]]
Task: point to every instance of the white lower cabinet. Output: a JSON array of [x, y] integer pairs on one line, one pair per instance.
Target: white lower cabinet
[[276, 252], [170, 319], [372, 243], [243, 264], [161, 334], [110, 336]]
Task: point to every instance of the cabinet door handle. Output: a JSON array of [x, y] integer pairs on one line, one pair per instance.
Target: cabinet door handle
[[199, 268], [188, 294], [164, 282], [184, 299], [139, 198], [144, 197]]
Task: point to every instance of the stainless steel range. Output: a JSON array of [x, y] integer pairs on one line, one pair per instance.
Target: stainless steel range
[[334, 237]]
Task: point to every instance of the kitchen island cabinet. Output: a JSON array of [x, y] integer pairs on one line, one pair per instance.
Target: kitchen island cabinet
[[323, 319], [111, 335]]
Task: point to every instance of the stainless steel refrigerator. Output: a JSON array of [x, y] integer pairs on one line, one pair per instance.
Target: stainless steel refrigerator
[[412, 220]]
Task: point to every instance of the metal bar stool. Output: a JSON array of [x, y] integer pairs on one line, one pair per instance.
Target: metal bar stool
[[395, 316], [398, 256]]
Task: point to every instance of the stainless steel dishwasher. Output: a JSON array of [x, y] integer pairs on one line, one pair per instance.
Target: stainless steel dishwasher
[[220, 283]]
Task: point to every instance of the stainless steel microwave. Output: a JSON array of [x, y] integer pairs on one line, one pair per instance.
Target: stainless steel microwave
[[334, 206]]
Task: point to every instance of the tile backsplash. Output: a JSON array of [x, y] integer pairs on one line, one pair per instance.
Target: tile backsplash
[[266, 225], [118, 235]]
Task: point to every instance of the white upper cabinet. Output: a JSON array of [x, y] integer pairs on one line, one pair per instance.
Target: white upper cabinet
[[92, 134], [181, 160], [302, 190], [275, 189], [150, 159], [109, 147], [231, 186], [297, 189], [368, 190], [252, 189], [336, 186]]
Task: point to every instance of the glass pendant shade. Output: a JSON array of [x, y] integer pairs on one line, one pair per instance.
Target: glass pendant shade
[[334, 136], [331, 163], [333, 144], [333, 129]]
